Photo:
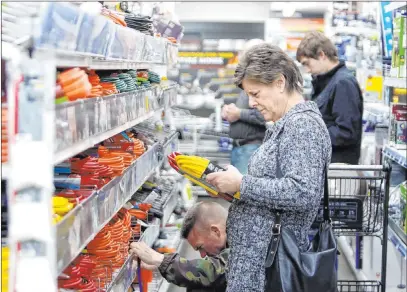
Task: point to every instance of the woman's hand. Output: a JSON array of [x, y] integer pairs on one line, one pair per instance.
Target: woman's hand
[[226, 181], [147, 255]]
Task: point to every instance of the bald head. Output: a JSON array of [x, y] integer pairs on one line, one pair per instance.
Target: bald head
[[203, 214]]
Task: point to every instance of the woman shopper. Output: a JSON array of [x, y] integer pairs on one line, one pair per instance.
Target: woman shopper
[[286, 174]]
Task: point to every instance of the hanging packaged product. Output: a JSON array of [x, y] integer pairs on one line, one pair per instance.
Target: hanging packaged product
[[398, 125], [125, 144], [399, 46], [196, 169]]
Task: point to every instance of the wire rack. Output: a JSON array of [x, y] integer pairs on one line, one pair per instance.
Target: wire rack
[[356, 200], [358, 286]]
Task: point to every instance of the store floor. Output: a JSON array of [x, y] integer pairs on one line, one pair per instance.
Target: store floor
[[186, 250]]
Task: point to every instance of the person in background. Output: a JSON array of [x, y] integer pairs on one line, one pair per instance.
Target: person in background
[[204, 228], [337, 94], [247, 126]]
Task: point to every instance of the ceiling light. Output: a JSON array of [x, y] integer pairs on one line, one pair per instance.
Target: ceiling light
[[288, 10]]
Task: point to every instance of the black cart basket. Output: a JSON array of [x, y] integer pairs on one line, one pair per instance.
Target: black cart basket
[[359, 199]]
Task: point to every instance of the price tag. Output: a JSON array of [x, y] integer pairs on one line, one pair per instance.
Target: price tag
[[146, 101], [74, 236], [104, 116], [94, 213], [72, 123]]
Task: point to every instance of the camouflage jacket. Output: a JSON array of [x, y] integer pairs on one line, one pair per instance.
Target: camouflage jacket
[[198, 275]]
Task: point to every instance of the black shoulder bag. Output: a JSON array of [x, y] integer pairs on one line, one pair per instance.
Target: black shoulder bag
[[288, 269]]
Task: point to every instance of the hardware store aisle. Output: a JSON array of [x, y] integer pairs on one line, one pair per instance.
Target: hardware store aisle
[[189, 253]]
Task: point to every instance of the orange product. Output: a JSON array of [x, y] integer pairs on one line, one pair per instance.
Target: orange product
[[91, 171], [146, 277], [108, 88], [68, 76], [127, 157], [109, 248], [114, 162], [139, 214], [74, 83], [166, 250], [138, 147], [172, 40], [114, 17], [94, 80]]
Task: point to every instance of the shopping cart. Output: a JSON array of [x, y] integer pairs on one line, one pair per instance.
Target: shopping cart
[[358, 202]]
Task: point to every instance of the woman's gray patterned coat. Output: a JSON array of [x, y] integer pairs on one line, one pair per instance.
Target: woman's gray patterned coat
[[302, 143]]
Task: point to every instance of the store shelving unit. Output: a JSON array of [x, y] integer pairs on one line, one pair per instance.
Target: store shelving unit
[[395, 82], [394, 5], [64, 59], [398, 238], [122, 111], [123, 278], [397, 155], [40, 250], [394, 153], [81, 225], [348, 30]]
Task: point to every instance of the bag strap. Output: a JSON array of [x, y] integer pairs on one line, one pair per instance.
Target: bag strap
[[327, 218]]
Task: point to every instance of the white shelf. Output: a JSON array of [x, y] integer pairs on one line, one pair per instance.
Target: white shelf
[[5, 171], [394, 5], [91, 141], [398, 238], [395, 82], [397, 155], [356, 30], [67, 59], [121, 111]]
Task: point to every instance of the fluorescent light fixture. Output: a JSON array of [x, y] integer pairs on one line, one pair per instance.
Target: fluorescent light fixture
[[288, 10]]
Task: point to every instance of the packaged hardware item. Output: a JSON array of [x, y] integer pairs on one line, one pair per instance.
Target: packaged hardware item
[[398, 125], [403, 46], [401, 132], [195, 169], [399, 50]]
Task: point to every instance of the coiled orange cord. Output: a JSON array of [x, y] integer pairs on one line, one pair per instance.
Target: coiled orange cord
[[97, 89], [74, 83], [78, 273], [128, 158], [109, 248], [108, 88], [114, 162], [114, 17]]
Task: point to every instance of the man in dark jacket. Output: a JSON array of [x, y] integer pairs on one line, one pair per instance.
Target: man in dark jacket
[[247, 126], [204, 228], [337, 93]]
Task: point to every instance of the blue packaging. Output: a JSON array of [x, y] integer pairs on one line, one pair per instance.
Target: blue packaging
[[60, 25], [95, 35]]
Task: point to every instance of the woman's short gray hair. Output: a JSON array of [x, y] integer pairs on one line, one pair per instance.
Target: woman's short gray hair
[[265, 63]]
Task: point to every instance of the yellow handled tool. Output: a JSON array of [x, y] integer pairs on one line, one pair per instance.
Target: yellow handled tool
[[195, 169]]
